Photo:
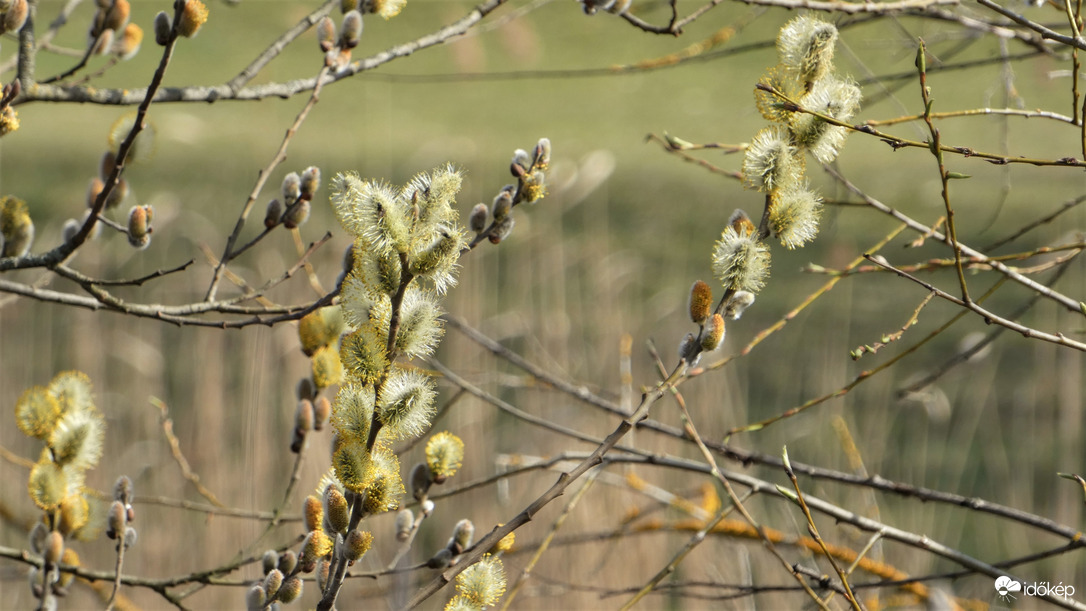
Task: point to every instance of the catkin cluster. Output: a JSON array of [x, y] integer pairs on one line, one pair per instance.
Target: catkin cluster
[[775, 159], [63, 416]]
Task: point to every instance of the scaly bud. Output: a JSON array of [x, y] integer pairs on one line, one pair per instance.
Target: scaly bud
[[501, 230]]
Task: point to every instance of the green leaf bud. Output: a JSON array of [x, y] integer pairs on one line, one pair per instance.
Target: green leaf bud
[[162, 28], [478, 218], [337, 513], [700, 301], [356, 545], [350, 30], [326, 33], [444, 454]]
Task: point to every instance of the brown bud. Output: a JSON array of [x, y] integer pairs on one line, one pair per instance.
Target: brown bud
[[272, 213], [351, 30], [326, 34], [700, 302], [322, 409], [478, 218]]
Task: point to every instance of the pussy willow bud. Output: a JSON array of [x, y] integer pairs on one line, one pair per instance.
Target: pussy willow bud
[[463, 535], [806, 46], [15, 17], [739, 302], [441, 559], [502, 205], [296, 215], [478, 218], [322, 409], [444, 454], [54, 547], [326, 34], [16, 227], [305, 389], [700, 302], [116, 519], [421, 478], [272, 213], [106, 165], [287, 561], [291, 188], [405, 521], [351, 30], [689, 349], [162, 28], [272, 581], [117, 196], [311, 181], [37, 537], [127, 44], [122, 490], [255, 598], [501, 230], [542, 154], [505, 543], [324, 570], [116, 18], [303, 416], [130, 537], [93, 190], [426, 507], [70, 558], [290, 590], [139, 226], [346, 6], [316, 545], [522, 159], [713, 334], [269, 561]]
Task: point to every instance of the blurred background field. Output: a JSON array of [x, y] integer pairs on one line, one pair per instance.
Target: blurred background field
[[611, 252]]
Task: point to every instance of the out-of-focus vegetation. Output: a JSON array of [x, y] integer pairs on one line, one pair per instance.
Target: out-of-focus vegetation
[[605, 259]]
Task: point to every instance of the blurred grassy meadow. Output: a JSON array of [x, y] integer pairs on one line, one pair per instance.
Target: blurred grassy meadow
[[611, 252]]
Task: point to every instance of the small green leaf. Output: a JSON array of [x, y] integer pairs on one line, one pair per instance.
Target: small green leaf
[[957, 175]]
